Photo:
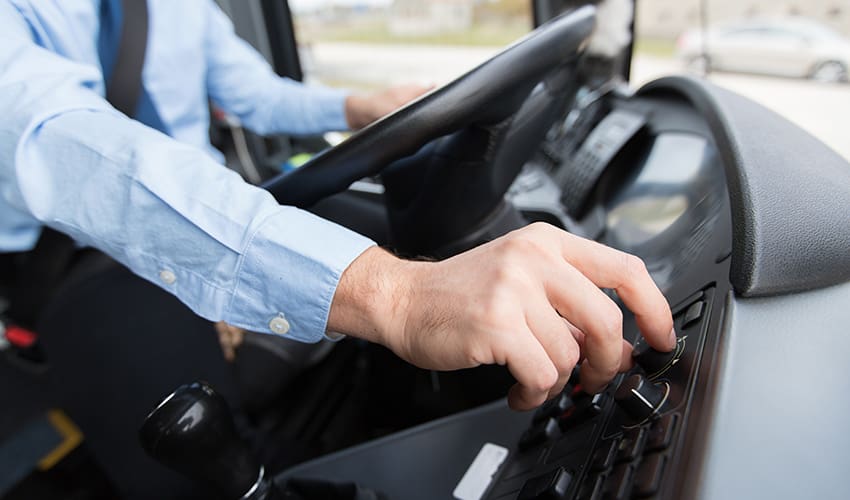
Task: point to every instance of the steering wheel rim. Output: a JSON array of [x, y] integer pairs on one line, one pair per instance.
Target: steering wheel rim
[[485, 94]]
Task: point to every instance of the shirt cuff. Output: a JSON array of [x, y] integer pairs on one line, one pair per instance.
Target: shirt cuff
[[289, 273], [330, 107]]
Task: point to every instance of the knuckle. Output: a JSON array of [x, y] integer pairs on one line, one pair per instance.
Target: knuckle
[[499, 273], [608, 372], [544, 379], [526, 248], [611, 323], [633, 267], [492, 311], [570, 359], [517, 245], [565, 355], [539, 227]]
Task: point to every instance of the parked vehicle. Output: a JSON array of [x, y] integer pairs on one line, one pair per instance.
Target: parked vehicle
[[784, 47]]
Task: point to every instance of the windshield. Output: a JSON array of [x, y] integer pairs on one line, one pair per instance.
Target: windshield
[[369, 44], [792, 57]]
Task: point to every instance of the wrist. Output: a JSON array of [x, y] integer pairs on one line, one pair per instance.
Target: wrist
[[354, 116], [373, 298]]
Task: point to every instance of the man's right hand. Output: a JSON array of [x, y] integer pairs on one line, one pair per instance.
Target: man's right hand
[[530, 300]]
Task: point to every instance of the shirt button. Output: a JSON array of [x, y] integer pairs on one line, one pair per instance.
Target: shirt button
[[167, 277], [279, 325]]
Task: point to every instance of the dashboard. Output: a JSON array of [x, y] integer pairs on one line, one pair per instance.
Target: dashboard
[[680, 174]]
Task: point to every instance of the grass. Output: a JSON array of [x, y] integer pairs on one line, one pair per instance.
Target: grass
[[486, 35], [655, 47]]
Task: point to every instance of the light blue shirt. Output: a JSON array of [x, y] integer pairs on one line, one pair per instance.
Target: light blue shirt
[[164, 207]]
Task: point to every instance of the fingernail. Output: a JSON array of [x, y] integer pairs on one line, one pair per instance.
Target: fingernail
[[673, 338]]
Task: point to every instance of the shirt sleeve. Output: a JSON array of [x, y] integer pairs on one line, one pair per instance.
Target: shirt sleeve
[[163, 209], [241, 82]]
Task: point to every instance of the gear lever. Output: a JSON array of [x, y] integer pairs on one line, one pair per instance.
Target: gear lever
[[192, 432]]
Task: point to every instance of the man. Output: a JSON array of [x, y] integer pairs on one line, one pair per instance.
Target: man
[[165, 209]]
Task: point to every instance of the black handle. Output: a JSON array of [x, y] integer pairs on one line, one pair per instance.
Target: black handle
[[192, 432]]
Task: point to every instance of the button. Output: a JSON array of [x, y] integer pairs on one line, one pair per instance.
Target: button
[[167, 276], [550, 486], [693, 314], [648, 475], [553, 408], [619, 483], [279, 325], [661, 433], [585, 408], [603, 457], [631, 445], [538, 434]]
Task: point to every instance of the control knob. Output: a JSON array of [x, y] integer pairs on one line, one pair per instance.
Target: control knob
[[653, 362], [640, 398]]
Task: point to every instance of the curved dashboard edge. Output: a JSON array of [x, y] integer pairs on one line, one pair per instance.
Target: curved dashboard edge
[[786, 188]]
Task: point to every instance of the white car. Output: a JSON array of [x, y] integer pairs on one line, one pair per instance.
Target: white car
[[785, 47]]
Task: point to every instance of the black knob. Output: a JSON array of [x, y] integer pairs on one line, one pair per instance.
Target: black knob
[[192, 432], [640, 398], [653, 362]]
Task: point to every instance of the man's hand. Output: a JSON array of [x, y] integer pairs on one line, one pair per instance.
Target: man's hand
[[361, 110], [530, 300], [230, 338]]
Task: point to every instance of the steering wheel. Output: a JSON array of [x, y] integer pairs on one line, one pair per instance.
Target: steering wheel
[[484, 97]]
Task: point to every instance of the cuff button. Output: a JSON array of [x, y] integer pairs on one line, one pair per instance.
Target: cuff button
[[279, 325], [167, 277]]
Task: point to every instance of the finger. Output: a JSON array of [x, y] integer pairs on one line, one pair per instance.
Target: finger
[[610, 268], [593, 313], [554, 334], [220, 327], [577, 334], [626, 362], [535, 373]]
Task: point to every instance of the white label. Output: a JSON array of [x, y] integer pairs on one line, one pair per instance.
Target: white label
[[479, 475]]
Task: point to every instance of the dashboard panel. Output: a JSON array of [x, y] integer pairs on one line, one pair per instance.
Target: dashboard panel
[[677, 188]]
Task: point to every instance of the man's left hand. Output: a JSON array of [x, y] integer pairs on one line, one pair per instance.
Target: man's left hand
[[363, 109]]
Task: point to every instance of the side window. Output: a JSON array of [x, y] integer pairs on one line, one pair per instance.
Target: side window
[[754, 48]]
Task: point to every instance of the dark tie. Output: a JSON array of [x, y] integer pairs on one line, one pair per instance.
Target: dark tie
[[109, 38]]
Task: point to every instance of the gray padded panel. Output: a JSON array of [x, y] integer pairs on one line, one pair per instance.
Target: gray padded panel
[[778, 428], [422, 463], [790, 193]]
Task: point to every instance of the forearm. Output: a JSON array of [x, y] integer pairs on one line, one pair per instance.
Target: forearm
[[242, 83], [174, 217], [268, 104]]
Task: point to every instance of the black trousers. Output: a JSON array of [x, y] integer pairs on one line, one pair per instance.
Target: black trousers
[[116, 346]]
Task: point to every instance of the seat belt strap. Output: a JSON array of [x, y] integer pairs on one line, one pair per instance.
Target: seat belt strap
[[124, 80]]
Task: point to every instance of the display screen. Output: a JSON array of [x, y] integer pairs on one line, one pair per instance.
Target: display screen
[[666, 211]]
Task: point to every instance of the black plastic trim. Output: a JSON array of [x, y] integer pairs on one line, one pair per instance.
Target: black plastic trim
[[789, 193]]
